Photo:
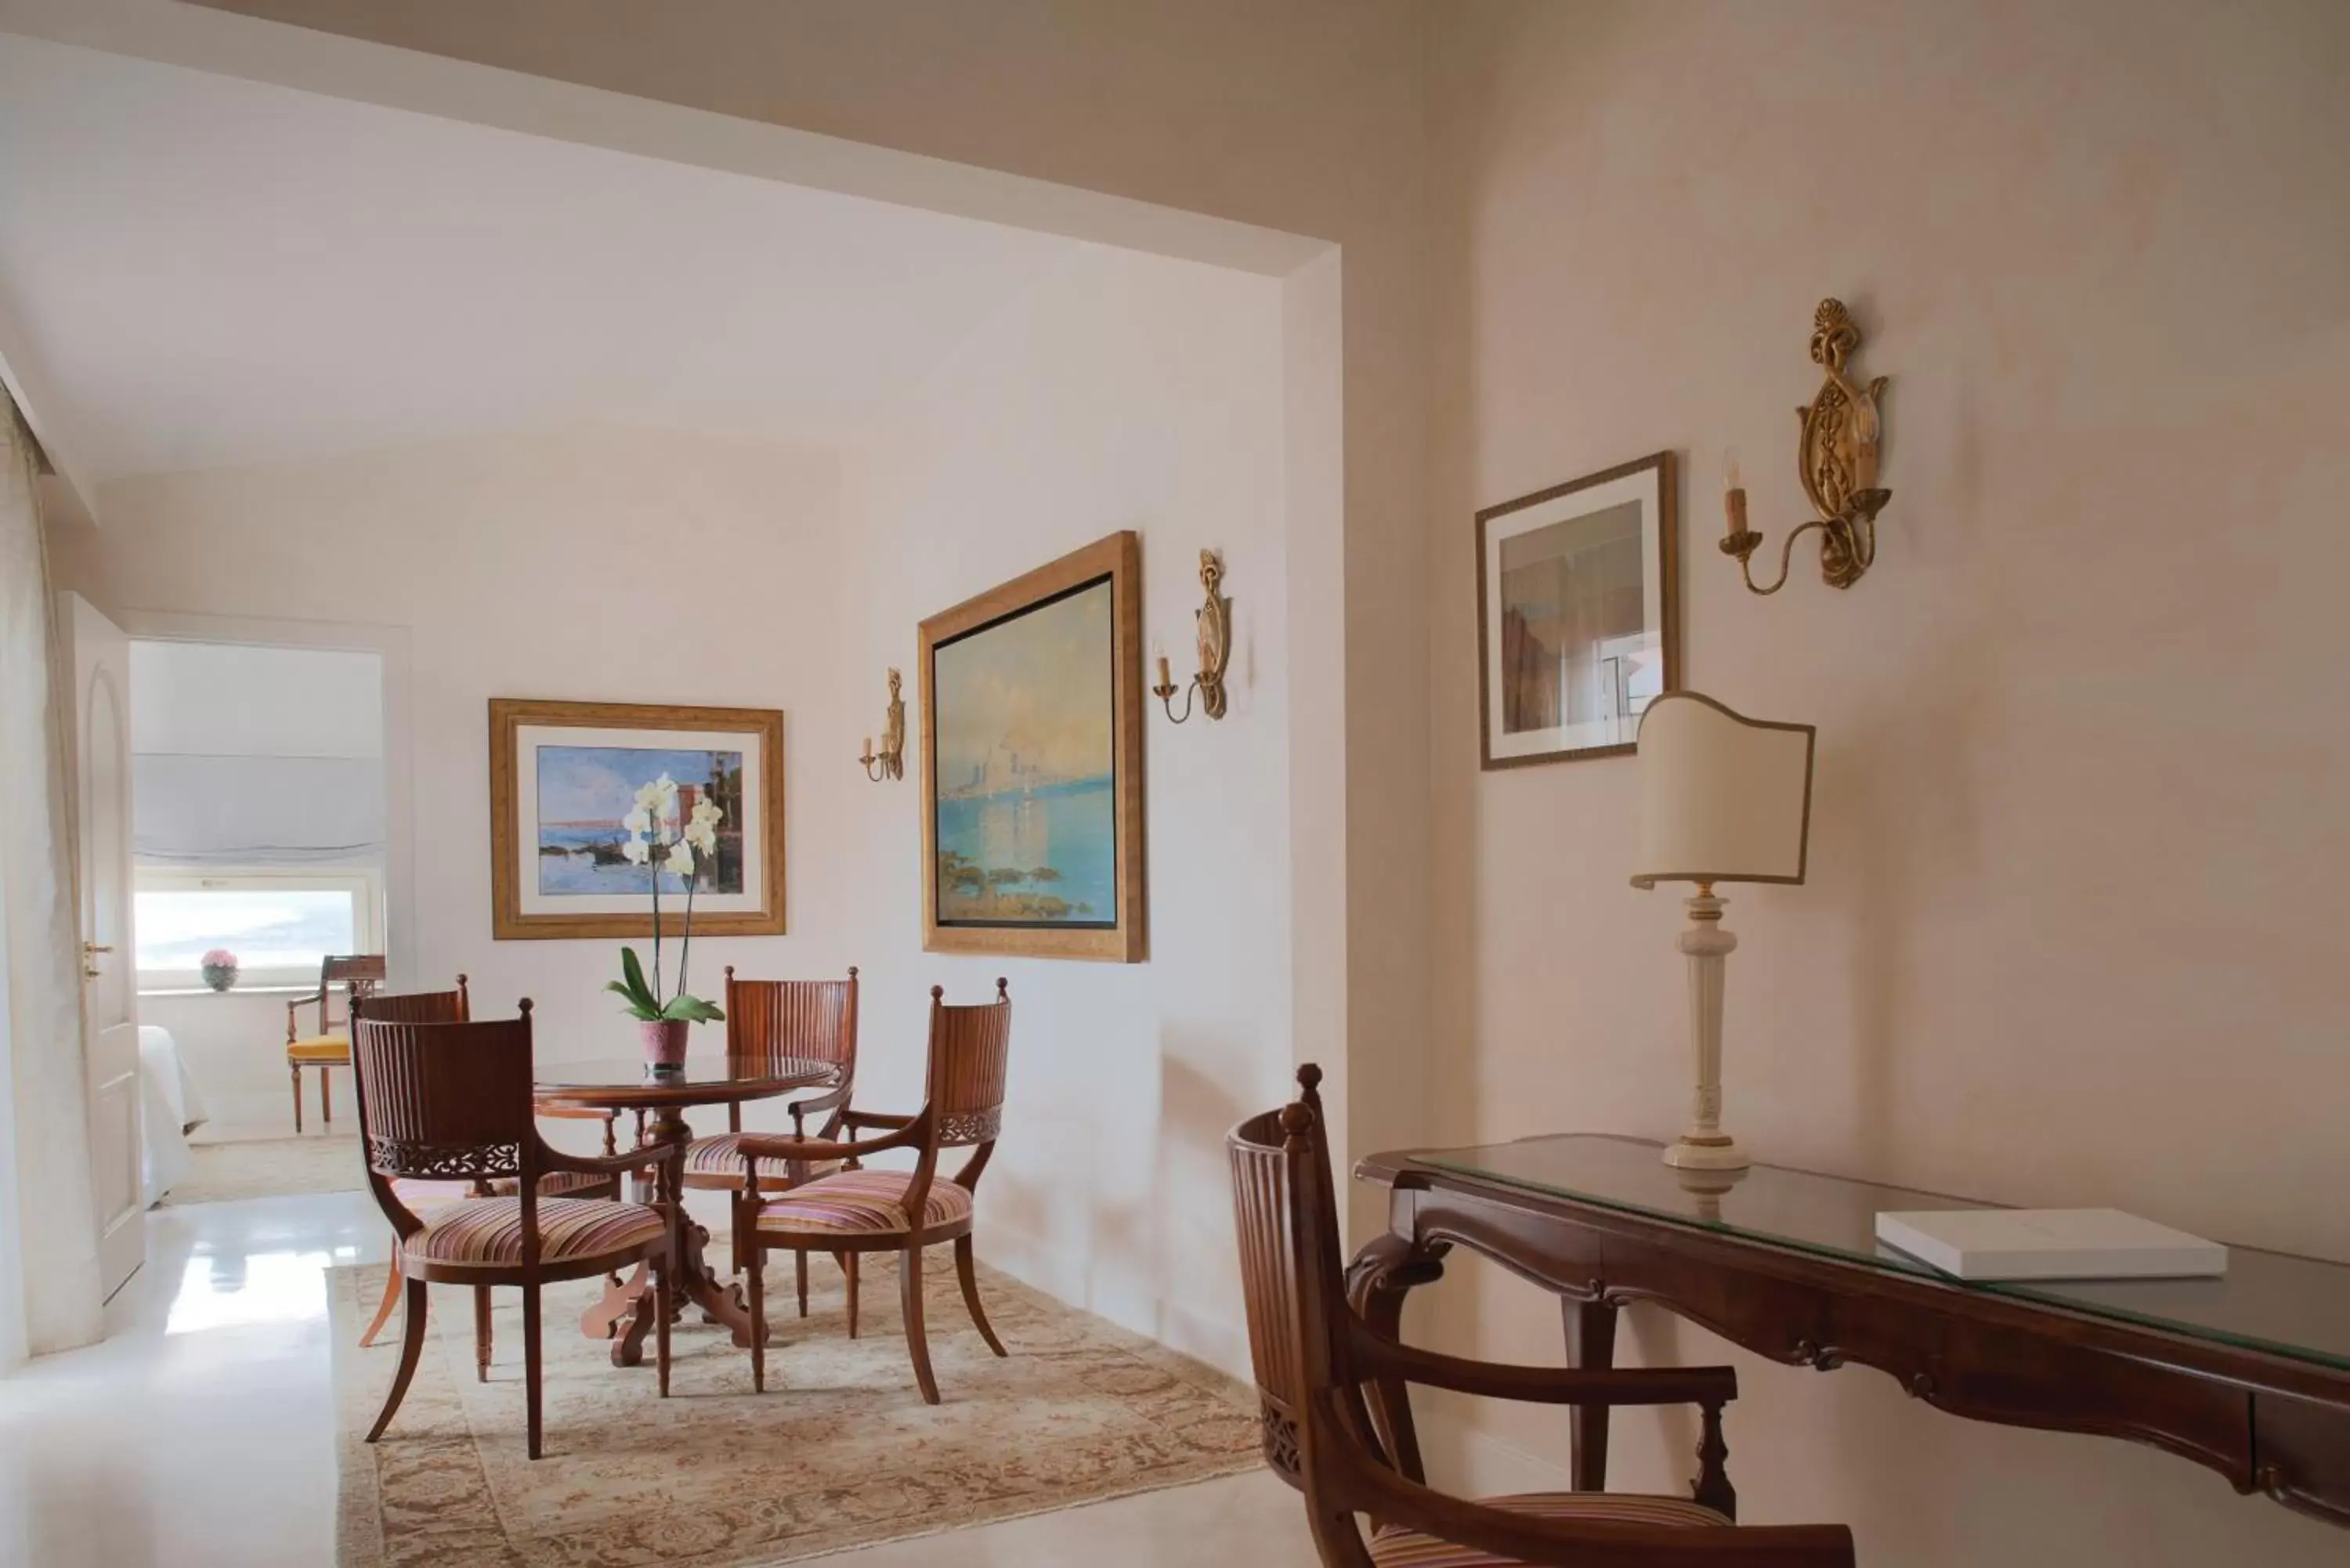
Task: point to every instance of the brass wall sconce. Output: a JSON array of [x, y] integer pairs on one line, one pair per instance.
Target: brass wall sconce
[[1836, 458], [1214, 628], [889, 761]]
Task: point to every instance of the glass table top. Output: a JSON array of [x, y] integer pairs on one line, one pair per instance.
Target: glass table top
[[2274, 1302], [698, 1072]]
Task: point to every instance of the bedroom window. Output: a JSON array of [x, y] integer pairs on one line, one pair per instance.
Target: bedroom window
[[257, 810], [279, 924]]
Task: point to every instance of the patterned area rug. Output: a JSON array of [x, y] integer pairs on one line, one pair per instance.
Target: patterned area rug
[[839, 1452], [271, 1168]]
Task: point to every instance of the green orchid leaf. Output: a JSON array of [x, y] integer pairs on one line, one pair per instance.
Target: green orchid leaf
[[637, 1008], [692, 1008], [638, 990]]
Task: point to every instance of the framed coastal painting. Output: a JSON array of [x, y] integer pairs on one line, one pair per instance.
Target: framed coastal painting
[[1578, 615], [563, 775], [1032, 763]]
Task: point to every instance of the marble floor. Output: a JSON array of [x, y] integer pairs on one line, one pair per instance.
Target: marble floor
[[199, 1433]]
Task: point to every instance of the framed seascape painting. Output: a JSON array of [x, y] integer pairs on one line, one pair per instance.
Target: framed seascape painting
[[1032, 763], [564, 778], [1578, 615]]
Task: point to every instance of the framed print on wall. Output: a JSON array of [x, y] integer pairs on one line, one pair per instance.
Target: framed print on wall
[[1578, 615], [563, 775], [1032, 763]]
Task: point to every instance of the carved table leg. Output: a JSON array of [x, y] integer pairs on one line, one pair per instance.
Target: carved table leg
[[1382, 1273], [692, 1281], [602, 1321], [1590, 1347]]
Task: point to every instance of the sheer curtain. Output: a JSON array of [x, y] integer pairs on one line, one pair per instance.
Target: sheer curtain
[[48, 1244]]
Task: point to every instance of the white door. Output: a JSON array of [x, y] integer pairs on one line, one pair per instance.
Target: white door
[[109, 996]]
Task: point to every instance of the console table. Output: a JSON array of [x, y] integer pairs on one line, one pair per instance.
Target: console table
[[2249, 1374]]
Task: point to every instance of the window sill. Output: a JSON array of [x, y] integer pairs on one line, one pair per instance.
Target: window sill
[[232, 990]]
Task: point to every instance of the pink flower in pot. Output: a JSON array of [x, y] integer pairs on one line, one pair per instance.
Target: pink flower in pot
[[219, 969]]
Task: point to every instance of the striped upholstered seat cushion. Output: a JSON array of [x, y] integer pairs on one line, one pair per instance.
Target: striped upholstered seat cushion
[[488, 1230], [719, 1155], [860, 1202], [1394, 1547]]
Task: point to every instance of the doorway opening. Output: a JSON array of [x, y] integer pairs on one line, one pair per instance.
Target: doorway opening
[[259, 850]]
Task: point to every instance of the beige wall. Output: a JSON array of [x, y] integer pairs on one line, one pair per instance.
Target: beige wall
[[2078, 746], [2082, 745]]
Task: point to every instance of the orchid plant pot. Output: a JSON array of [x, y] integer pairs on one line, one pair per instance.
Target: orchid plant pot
[[665, 1042]]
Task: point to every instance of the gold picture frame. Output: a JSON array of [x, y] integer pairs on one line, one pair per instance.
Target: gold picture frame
[[562, 773], [1031, 711]]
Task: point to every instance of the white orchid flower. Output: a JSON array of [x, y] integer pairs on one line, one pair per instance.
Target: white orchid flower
[[657, 798], [633, 851], [680, 859], [637, 821], [702, 837], [708, 813]]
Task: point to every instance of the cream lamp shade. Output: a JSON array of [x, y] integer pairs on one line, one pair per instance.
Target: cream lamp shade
[[1724, 798]]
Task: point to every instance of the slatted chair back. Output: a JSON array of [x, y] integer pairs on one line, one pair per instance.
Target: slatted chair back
[[418, 1006], [447, 1101], [769, 1021], [1292, 1278], [971, 1055]]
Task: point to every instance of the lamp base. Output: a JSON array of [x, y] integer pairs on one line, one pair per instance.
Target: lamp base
[[1718, 1152]]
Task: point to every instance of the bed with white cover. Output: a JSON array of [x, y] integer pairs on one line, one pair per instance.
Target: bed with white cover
[[169, 1104]]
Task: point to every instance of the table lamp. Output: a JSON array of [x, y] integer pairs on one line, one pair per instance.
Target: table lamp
[[1724, 798]]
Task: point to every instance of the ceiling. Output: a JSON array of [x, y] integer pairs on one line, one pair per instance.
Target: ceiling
[[208, 272]]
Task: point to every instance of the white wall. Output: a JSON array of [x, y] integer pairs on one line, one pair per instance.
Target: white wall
[[1124, 392], [518, 563]]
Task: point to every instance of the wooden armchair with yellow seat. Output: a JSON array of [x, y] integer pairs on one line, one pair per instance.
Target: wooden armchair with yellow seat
[[359, 975]]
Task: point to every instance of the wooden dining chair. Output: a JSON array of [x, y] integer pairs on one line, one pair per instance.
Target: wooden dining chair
[[454, 1101], [456, 1007], [855, 1211], [330, 1045], [769, 1021], [1315, 1356]]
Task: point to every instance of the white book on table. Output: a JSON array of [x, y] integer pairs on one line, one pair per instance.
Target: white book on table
[[2049, 1244]]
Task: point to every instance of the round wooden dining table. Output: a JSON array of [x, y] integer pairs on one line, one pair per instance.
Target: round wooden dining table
[[625, 1314]]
